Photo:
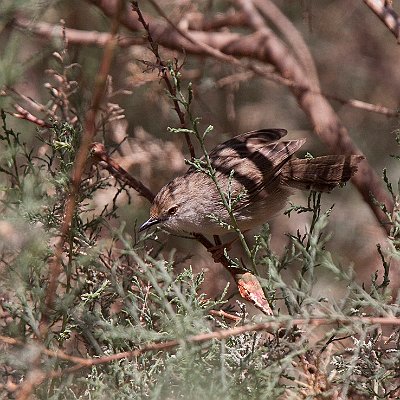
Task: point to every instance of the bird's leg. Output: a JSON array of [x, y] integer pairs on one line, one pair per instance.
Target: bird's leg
[[217, 251], [217, 240]]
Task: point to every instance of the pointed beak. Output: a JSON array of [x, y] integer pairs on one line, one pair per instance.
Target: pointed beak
[[150, 222]]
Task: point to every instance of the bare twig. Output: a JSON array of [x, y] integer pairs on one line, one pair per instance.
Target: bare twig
[[205, 337], [224, 314], [99, 154], [164, 74], [74, 36], [26, 115], [386, 14], [89, 132], [51, 353]]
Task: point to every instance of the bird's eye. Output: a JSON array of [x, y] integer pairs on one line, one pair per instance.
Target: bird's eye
[[173, 210]]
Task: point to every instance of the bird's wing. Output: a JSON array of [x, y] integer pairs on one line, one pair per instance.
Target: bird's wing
[[263, 135], [256, 158], [246, 146], [259, 138], [255, 166]]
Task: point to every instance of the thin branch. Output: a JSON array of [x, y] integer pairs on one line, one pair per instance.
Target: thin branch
[[224, 314], [89, 131], [163, 71], [386, 14], [26, 115], [75, 36], [239, 330], [51, 353], [100, 154], [205, 337], [270, 10]]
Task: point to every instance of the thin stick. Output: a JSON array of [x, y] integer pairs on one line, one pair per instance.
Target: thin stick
[[88, 134], [163, 71], [75, 36], [100, 154], [205, 337], [26, 115], [386, 14]]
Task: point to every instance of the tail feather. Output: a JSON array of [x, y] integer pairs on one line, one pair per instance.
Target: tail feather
[[321, 173]]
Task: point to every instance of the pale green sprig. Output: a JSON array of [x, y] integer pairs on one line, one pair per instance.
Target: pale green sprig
[[227, 201]]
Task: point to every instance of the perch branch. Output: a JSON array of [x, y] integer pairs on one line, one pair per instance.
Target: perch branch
[[99, 154]]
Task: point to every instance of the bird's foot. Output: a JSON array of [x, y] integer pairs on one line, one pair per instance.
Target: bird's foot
[[218, 251]]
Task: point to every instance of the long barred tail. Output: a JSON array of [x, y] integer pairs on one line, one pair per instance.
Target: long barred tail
[[321, 173]]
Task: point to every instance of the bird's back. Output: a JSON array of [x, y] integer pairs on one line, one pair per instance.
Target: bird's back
[[256, 159]]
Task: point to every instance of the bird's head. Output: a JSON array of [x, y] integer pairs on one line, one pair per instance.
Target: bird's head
[[172, 208]]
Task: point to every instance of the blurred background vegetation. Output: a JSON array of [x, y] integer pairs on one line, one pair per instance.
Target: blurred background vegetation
[[355, 55]]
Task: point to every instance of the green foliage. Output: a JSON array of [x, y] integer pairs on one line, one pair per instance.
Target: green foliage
[[115, 296]]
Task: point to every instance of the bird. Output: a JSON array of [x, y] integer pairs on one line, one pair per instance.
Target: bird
[[260, 172]]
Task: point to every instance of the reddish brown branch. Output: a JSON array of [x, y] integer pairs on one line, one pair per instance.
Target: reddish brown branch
[[164, 73], [75, 36], [26, 115], [89, 131], [386, 14], [100, 154], [205, 337], [224, 314]]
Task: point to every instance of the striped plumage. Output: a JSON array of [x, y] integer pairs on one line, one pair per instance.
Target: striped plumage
[[265, 175]]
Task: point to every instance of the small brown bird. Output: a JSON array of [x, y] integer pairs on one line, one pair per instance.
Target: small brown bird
[[265, 175]]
